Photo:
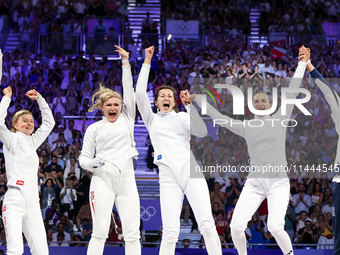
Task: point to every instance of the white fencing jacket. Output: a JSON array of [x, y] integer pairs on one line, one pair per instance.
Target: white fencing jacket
[[113, 142], [21, 158], [266, 144], [169, 132]]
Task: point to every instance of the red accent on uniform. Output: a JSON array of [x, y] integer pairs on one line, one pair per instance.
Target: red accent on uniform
[[4, 209], [93, 208], [21, 183]]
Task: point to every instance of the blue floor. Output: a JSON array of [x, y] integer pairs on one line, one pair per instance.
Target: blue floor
[[154, 251]]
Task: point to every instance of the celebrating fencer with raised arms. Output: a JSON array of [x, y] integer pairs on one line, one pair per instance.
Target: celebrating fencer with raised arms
[[170, 135], [266, 147], [21, 208], [108, 152]]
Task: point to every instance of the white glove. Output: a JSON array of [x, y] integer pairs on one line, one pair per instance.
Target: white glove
[[96, 163]]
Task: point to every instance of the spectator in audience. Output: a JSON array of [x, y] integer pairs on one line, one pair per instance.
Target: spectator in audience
[[326, 239], [84, 213], [316, 212], [53, 166], [231, 211], [329, 206], [52, 215], [72, 168], [301, 201], [60, 242], [87, 229], [215, 209], [217, 196], [316, 196], [61, 230], [307, 234], [232, 191], [68, 196], [290, 225], [48, 195]]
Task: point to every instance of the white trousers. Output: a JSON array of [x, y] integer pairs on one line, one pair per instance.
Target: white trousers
[[172, 190], [276, 190], [21, 214], [109, 186]]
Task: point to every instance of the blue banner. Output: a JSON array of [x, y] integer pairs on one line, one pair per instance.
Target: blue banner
[[150, 213]]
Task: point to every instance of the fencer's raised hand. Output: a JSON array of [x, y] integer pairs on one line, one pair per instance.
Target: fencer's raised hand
[[304, 54], [8, 92], [123, 53], [96, 163], [185, 97], [149, 52], [32, 94]]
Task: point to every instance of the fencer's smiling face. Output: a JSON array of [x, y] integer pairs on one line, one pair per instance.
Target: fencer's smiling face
[[165, 101], [261, 102], [25, 124], [112, 108]]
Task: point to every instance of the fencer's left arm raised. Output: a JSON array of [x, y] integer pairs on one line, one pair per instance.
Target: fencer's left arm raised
[[294, 84], [330, 94], [128, 93], [47, 123]]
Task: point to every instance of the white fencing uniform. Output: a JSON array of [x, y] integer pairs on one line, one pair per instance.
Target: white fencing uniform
[[334, 101], [170, 135], [266, 147], [21, 207], [115, 181]]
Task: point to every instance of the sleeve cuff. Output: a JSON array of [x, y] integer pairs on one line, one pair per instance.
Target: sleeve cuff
[[302, 63], [126, 66], [187, 107], [6, 99], [146, 65]]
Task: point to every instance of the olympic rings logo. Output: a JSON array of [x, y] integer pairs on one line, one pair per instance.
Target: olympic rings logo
[[182, 27], [147, 213]]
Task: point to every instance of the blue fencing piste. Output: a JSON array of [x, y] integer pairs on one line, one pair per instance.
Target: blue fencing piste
[[155, 251]]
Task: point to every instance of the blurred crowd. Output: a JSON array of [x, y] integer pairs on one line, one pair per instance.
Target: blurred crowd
[[233, 17]]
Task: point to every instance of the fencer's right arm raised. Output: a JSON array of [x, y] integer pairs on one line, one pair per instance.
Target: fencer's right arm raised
[[330, 94], [6, 136], [142, 98]]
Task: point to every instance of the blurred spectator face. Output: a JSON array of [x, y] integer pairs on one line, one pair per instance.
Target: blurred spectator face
[[60, 228], [327, 192], [186, 243], [220, 217], [165, 100], [302, 188], [2, 178], [72, 162], [216, 207], [112, 108], [54, 160], [330, 200], [303, 216], [60, 237], [3, 234], [49, 183]]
